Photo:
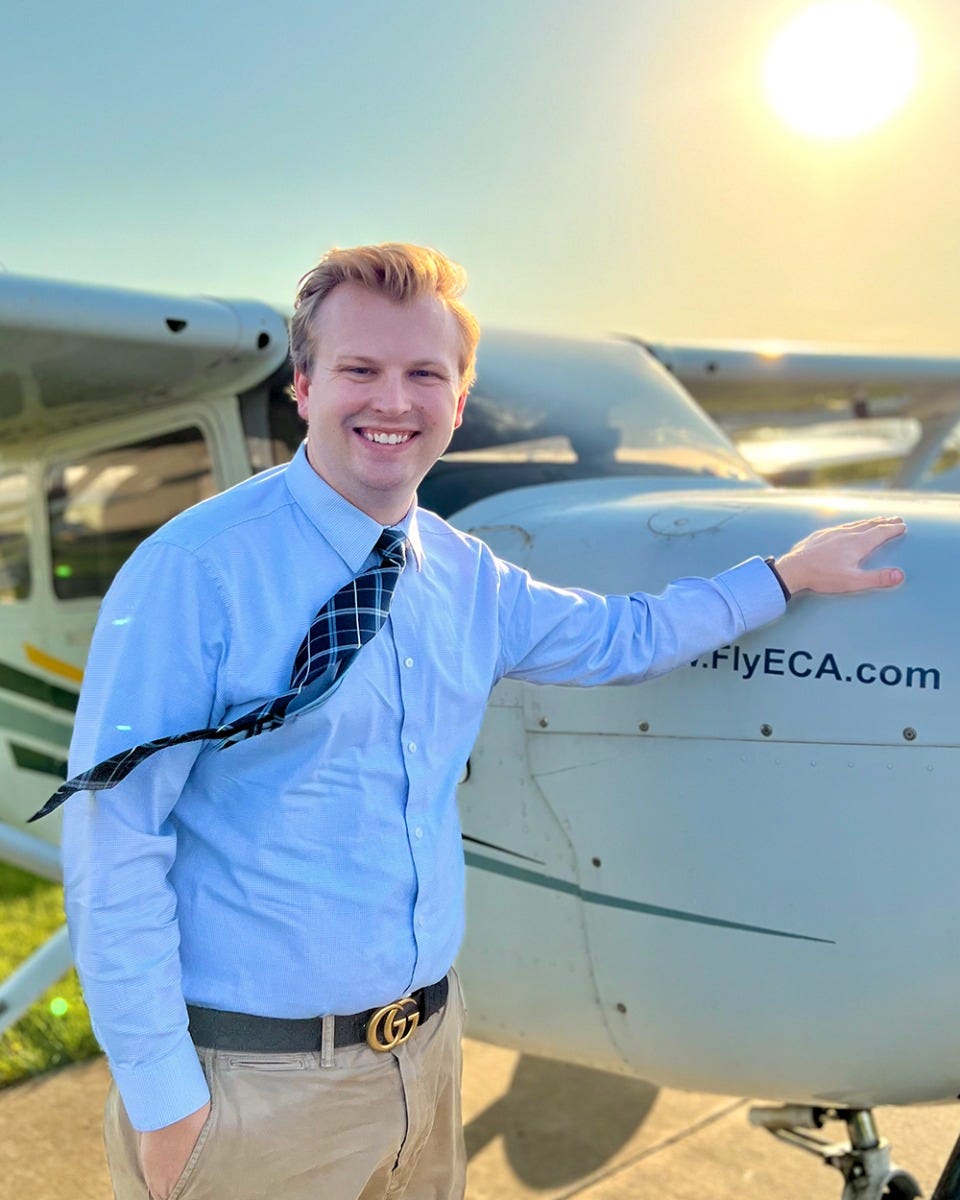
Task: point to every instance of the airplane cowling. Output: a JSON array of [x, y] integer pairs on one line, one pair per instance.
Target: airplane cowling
[[741, 877]]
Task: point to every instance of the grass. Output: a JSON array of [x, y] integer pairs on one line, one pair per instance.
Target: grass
[[56, 1030]]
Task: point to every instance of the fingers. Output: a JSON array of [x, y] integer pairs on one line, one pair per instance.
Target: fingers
[[860, 523], [830, 560], [885, 526], [879, 531], [885, 577]]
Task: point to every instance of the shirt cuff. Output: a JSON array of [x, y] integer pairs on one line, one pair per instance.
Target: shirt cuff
[[158, 1093], [754, 589]]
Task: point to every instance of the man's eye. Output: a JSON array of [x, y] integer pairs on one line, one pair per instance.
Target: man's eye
[[359, 370], [425, 373]]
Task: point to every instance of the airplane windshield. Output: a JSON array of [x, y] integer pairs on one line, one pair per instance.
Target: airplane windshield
[[603, 441], [622, 419]]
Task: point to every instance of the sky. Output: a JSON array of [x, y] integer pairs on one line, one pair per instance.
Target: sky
[[606, 168]]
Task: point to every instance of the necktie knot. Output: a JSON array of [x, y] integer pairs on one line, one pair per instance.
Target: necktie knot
[[392, 547]]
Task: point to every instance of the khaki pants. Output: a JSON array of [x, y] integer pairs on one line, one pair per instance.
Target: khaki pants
[[368, 1126]]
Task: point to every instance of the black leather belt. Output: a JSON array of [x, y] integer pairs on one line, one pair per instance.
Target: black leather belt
[[381, 1028]]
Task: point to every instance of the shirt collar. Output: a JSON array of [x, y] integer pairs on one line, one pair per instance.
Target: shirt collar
[[350, 532]]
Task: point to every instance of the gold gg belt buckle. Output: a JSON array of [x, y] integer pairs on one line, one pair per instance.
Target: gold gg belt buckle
[[393, 1024]]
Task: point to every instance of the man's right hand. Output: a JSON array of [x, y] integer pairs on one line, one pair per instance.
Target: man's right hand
[[165, 1152]]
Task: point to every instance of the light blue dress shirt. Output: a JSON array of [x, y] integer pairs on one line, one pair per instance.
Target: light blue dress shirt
[[317, 868]]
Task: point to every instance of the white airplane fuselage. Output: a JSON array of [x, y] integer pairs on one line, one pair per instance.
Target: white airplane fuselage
[[740, 877]]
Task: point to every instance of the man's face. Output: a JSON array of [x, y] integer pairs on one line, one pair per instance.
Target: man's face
[[382, 398]]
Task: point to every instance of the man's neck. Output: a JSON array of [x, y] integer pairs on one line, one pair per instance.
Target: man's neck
[[388, 514]]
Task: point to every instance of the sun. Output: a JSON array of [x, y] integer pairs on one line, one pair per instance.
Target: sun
[[841, 68]]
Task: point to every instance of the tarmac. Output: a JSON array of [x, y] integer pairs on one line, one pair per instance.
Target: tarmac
[[535, 1130]]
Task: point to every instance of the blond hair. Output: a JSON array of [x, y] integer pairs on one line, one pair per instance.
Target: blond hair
[[396, 270]]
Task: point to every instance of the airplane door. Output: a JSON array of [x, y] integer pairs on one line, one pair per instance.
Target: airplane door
[[94, 497]]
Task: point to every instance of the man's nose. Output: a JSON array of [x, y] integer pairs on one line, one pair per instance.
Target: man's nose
[[393, 394]]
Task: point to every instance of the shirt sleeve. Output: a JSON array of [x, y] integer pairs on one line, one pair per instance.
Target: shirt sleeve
[[570, 636], [155, 661]]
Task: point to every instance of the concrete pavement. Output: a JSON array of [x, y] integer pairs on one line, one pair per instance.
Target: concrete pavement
[[535, 1130]]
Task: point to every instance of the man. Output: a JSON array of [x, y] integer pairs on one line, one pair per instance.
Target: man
[[244, 919]]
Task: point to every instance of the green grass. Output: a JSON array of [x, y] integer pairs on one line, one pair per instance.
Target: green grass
[[30, 910]]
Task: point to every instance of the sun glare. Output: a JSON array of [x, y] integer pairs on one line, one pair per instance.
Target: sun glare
[[840, 68]]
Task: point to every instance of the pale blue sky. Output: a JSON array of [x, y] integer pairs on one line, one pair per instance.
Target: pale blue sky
[[596, 168]]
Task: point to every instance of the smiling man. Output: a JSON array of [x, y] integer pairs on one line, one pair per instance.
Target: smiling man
[[381, 381], [266, 934]]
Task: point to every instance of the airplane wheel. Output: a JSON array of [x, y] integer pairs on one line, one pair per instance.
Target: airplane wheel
[[901, 1186]]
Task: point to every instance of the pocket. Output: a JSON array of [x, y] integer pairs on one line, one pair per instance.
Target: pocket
[[463, 1000], [190, 1167], [268, 1062]]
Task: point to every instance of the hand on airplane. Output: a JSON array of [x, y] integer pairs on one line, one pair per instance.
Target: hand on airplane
[[164, 1153], [829, 560]]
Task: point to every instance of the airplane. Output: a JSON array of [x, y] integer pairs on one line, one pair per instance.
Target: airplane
[[799, 412], [738, 878]]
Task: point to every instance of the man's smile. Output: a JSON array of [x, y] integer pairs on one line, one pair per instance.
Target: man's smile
[[384, 437]]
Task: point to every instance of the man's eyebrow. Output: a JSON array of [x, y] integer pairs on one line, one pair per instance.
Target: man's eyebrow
[[347, 356]]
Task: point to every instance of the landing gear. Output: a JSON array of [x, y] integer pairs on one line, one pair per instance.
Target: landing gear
[[863, 1161]]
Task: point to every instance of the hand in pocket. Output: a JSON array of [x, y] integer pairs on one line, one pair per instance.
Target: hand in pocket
[[164, 1153]]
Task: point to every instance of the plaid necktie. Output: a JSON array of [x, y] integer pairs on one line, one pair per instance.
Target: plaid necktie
[[348, 620]]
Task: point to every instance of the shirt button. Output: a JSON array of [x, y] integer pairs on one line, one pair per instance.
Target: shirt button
[[418, 832], [408, 662], [421, 922], [412, 747]]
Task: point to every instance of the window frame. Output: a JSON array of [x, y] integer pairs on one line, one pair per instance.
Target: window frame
[[23, 469]]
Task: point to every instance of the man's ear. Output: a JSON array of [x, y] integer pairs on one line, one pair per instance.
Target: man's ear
[[458, 420], [301, 389]]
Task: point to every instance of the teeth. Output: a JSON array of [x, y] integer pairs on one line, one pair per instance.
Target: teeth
[[387, 439]]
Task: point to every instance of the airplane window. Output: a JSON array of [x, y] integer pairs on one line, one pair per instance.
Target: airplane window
[[14, 538], [103, 506], [503, 445]]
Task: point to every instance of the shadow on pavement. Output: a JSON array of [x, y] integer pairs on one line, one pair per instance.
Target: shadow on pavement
[[561, 1122]]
